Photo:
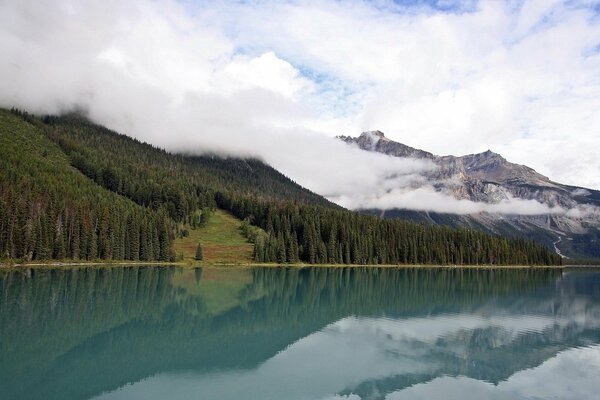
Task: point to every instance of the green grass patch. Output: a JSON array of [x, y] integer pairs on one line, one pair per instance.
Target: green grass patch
[[221, 239]]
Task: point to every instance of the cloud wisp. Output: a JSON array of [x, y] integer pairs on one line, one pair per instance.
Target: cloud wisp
[[426, 198]]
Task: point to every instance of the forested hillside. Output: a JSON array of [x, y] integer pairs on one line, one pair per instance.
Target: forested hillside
[[70, 189], [49, 210], [154, 178]]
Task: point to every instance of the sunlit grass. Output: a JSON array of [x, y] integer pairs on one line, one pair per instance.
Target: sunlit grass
[[221, 239]]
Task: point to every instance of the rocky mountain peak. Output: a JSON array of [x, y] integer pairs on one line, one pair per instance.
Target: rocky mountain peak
[[486, 158], [473, 170], [376, 141], [377, 134], [370, 139]]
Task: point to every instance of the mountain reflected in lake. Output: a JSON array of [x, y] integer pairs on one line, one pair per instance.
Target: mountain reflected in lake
[[286, 333]]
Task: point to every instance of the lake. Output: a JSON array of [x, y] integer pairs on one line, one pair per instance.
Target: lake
[[287, 333]]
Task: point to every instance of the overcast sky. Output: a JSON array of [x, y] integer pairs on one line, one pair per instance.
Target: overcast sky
[[279, 79]]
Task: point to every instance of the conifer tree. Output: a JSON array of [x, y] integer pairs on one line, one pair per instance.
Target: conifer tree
[[199, 254], [281, 254]]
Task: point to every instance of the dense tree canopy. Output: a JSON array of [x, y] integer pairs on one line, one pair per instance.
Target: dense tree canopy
[[48, 210], [315, 234]]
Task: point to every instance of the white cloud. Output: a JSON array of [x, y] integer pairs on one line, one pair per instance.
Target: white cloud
[[266, 71], [507, 76], [426, 198]]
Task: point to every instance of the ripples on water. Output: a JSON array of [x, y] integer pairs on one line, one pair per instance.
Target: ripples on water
[[360, 333]]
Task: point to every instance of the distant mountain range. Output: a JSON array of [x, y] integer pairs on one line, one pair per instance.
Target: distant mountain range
[[572, 227]]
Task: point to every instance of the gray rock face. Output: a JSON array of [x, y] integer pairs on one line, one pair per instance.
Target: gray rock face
[[489, 178], [376, 141]]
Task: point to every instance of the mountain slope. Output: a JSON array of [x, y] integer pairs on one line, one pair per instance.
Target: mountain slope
[[70, 189], [153, 177], [572, 221], [49, 210]]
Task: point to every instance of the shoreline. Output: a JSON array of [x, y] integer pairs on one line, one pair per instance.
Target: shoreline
[[191, 265]]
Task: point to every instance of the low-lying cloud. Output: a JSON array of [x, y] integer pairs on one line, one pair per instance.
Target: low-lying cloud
[[426, 198]]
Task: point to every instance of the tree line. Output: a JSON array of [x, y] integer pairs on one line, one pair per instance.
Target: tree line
[[294, 232]]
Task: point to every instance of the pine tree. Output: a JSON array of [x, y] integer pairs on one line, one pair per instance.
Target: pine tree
[[199, 254], [281, 254]]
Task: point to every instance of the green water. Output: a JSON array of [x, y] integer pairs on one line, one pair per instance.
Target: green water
[[362, 333]]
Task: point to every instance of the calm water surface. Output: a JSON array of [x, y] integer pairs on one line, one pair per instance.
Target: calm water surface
[[363, 333]]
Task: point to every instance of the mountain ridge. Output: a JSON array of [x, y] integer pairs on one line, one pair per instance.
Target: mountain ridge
[[489, 178]]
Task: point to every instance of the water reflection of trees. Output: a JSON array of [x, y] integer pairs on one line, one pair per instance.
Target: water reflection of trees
[[356, 291], [104, 327]]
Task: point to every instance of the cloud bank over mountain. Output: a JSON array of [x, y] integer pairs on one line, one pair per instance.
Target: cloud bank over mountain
[[278, 80]]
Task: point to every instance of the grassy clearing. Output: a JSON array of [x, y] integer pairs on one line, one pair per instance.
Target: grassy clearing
[[222, 242]]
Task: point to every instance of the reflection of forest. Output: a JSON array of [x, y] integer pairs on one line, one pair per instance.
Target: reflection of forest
[[70, 334]]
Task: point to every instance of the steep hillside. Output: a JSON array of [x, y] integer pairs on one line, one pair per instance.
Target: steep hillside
[[72, 190], [489, 178], [49, 210], [155, 178]]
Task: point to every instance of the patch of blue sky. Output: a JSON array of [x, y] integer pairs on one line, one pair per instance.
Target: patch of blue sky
[[250, 50], [320, 78], [332, 95], [554, 16], [403, 6], [591, 51], [546, 21], [325, 82], [591, 6], [427, 6], [550, 19]]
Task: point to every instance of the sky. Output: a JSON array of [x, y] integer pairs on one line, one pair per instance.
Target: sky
[[278, 80]]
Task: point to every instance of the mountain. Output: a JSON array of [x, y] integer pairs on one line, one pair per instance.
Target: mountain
[[572, 226], [74, 190]]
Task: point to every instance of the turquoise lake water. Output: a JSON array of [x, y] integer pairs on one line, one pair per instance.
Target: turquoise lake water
[[314, 333]]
